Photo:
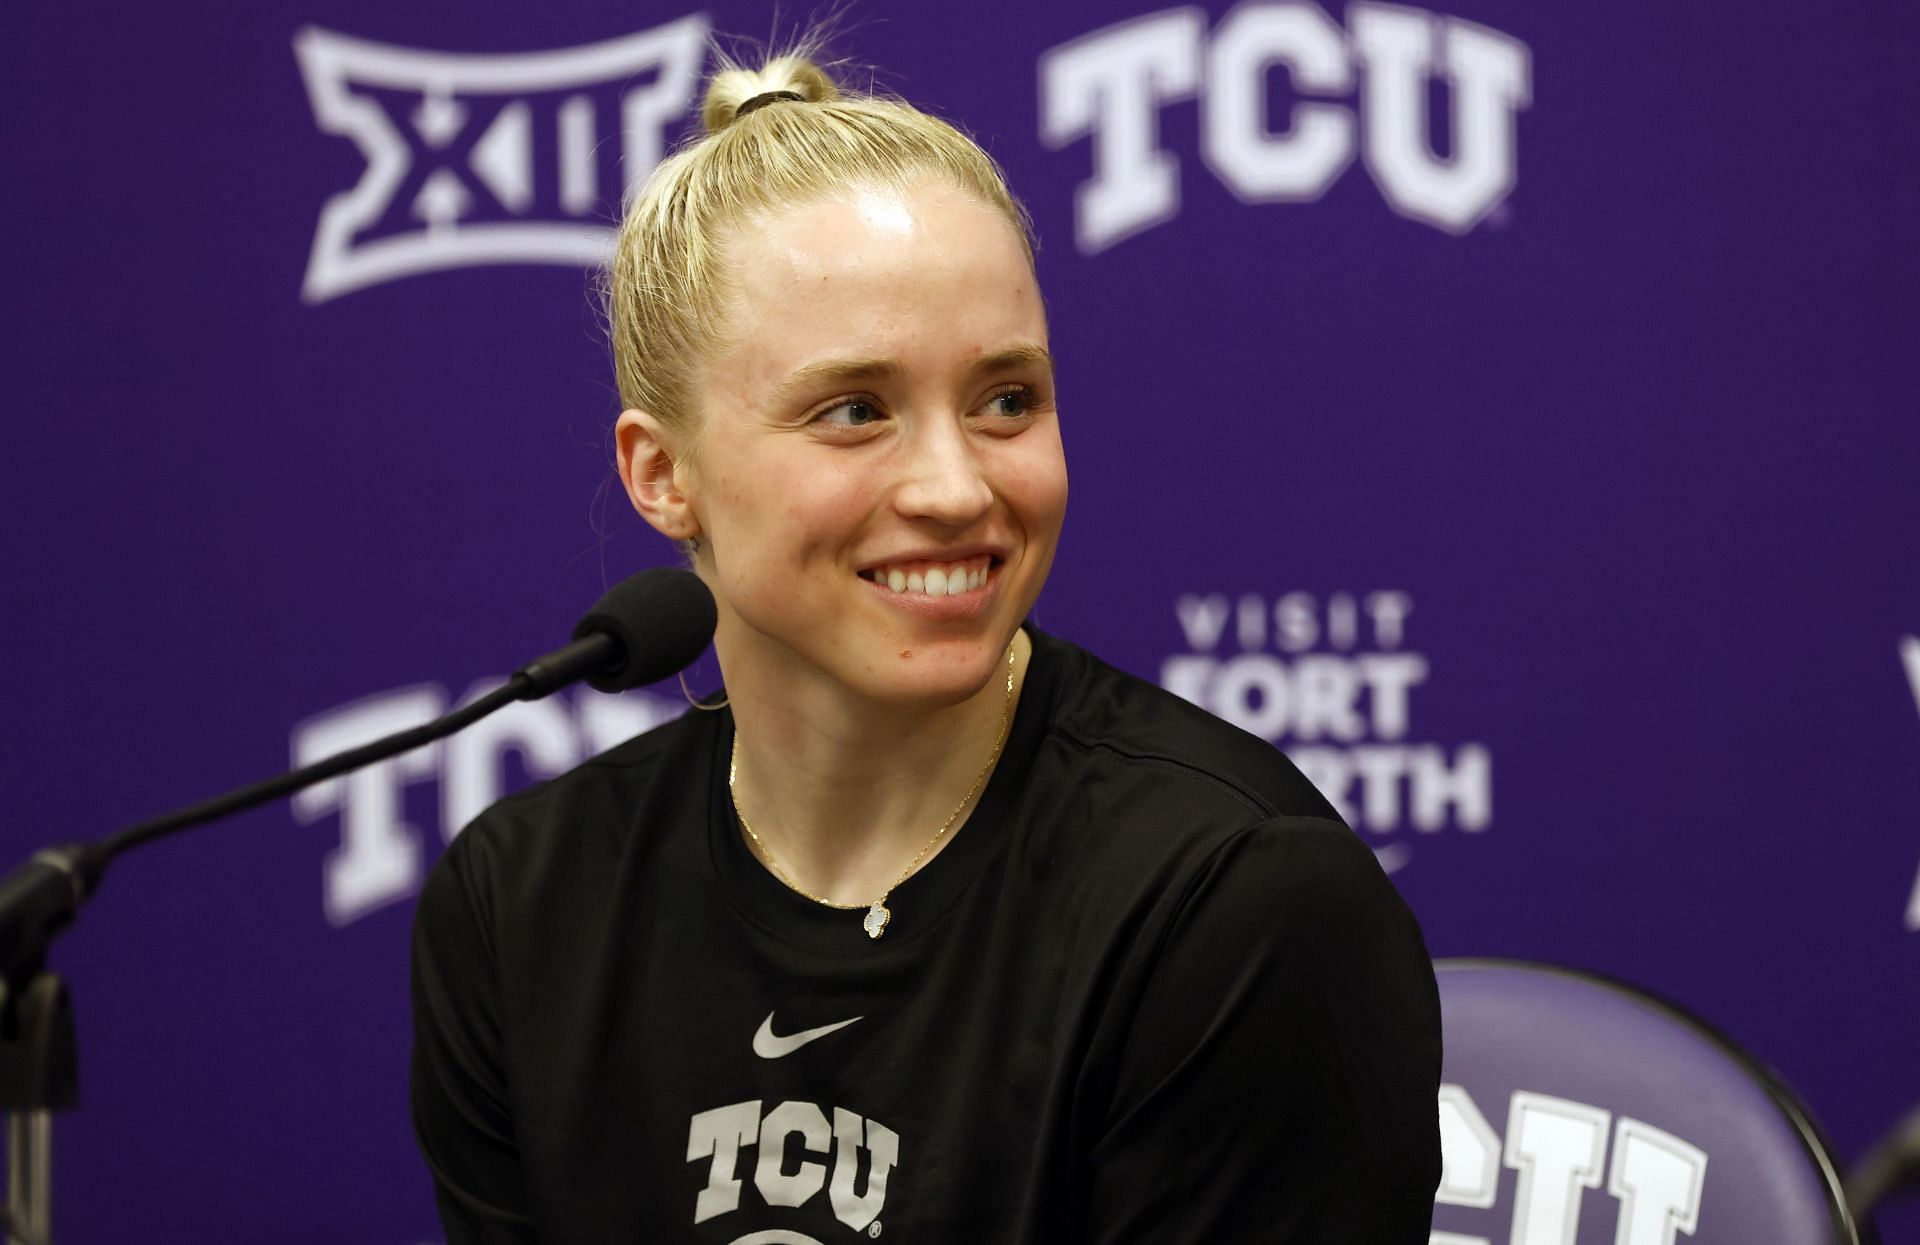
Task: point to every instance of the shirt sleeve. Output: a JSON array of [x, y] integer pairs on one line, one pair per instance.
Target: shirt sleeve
[[1276, 1079], [458, 1082]]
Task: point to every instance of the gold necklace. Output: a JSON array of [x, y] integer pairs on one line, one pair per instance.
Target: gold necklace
[[875, 922]]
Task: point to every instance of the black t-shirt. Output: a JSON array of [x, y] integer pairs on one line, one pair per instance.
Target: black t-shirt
[[1152, 991]]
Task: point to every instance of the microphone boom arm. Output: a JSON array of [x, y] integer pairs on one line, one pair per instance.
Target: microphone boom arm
[[39, 1062]]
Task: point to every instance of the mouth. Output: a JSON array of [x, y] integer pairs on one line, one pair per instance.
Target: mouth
[[934, 579]]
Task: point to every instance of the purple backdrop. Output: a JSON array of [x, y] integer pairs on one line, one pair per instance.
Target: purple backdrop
[[1500, 407]]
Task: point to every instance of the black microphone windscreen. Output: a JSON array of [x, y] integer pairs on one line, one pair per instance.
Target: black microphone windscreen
[[661, 618]]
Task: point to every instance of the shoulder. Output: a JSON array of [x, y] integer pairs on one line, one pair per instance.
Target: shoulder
[[1272, 1044], [1305, 889], [1134, 758], [1152, 819], [558, 835]]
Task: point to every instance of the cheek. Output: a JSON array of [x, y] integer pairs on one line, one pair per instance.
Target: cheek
[[1034, 481], [824, 508], [797, 510]]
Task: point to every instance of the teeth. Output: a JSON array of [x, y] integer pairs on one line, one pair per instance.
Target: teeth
[[937, 580]]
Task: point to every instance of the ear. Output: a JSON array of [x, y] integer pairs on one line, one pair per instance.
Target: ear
[[654, 475]]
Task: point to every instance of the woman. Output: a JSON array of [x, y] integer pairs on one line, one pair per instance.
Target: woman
[[939, 927]]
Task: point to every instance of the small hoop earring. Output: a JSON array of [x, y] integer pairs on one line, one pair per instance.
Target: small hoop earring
[[696, 704]]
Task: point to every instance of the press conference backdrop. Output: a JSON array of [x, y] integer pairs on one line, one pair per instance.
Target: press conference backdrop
[[1507, 410]]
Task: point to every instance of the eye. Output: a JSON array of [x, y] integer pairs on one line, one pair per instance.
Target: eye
[[849, 413], [1011, 403]]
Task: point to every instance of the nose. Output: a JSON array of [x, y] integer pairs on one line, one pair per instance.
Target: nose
[[944, 479]]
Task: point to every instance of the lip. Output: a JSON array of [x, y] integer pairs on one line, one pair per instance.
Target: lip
[[950, 553], [963, 608]]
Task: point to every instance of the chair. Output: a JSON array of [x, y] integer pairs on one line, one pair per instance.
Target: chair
[[1575, 1110]]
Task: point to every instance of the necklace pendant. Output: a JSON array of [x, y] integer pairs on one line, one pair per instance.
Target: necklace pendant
[[875, 922]]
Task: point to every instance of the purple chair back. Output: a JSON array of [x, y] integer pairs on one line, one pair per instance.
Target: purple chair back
[[1575, 1110]]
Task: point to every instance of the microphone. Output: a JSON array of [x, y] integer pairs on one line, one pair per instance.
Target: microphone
[[648, 626]]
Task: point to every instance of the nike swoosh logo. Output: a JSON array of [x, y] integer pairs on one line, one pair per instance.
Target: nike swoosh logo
[[768, 1046]]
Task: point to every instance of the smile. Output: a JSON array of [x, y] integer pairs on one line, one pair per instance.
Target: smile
[[933, 579]]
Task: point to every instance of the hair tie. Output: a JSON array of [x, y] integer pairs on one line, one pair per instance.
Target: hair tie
[[767, 97]]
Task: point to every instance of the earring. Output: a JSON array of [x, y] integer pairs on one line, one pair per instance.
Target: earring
[[696, 704]]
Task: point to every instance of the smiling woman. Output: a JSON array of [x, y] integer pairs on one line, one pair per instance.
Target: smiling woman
[[939, 918], [887, 347]]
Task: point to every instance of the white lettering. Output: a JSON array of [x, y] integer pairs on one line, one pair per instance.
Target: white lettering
[[380, 857], [1557, 1146], [1286, 688], [1326, 690], [1318, 696], [1256, 165], [1388, 677], [1296, 620], [1343, 621], [378, 860], [654, 72], [777, 1185], [1469, 1158], [1112, 84], [1253, 623], [1251, 691], [718, 1134], [1203, 619], [1488, 77], [1389, 611], [1330, 772], [782, 1180], [1393, 777], [883, 1152], [579, 179], [1659, 1180], [1381, 767], [1462, 792], [1295, 617]]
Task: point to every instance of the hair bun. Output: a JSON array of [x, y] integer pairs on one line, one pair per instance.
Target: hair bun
[[791, 76]]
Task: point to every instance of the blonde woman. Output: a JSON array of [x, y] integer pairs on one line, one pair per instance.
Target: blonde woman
[[938, 926]]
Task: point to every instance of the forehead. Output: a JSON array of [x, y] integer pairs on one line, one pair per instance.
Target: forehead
[[925, 276]]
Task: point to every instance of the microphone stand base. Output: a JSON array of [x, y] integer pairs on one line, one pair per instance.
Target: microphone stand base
[[29, 1177], [39, 1074]]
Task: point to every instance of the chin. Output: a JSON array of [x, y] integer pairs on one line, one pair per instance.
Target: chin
[[935, 679]]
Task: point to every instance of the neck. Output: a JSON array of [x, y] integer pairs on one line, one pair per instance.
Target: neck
[[843, 791]]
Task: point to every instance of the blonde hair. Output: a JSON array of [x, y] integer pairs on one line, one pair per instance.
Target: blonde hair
[[667, 289]]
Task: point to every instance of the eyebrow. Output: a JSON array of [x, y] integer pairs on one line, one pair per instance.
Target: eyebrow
[[844, 370], [1014, 357]]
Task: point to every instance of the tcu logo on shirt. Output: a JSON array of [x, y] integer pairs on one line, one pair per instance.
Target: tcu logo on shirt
[[1559, 1147], [798, 1155], [487, 159], [1112, 85]]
